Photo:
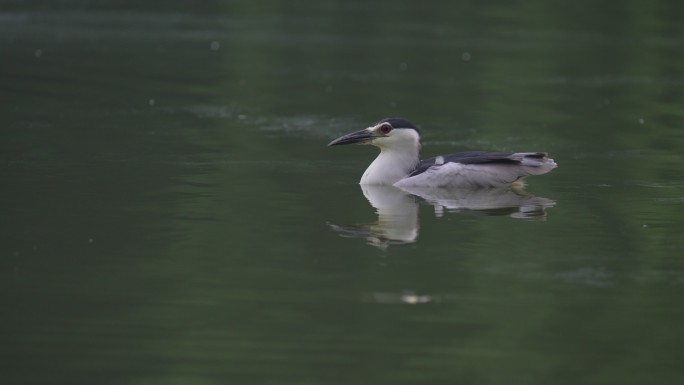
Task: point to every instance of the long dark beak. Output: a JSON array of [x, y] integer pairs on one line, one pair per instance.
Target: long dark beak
[[358, 137]]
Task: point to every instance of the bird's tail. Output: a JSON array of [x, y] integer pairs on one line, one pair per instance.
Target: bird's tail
[[535, 163]]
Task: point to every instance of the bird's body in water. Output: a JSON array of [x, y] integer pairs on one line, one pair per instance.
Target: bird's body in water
[[399, 161]]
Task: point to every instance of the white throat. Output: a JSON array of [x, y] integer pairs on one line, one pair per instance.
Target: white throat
[[397, 159]]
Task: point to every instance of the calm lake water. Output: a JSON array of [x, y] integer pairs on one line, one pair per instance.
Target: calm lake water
[[171, 213]]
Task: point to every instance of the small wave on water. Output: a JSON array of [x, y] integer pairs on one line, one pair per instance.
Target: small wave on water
[[318, 126]]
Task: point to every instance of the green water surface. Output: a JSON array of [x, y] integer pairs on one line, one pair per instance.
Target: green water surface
[[171, 213]]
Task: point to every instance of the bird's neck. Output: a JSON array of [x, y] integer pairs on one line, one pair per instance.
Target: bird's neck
[[392, 165]]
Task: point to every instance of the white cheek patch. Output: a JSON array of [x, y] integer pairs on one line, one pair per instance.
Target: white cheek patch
[[439, 160]]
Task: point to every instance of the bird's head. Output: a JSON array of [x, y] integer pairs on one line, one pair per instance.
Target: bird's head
[[391, 133]]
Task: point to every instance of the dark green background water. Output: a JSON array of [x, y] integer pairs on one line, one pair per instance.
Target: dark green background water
[[171, 213]]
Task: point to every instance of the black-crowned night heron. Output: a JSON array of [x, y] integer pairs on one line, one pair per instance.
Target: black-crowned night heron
[[399, 161]]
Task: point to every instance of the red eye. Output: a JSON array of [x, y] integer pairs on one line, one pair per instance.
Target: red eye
[[385, 128]]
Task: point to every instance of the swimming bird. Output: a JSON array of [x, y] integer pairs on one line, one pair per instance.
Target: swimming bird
[[399, 161]]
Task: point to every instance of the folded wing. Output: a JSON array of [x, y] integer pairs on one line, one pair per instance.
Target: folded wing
[[478, 168]]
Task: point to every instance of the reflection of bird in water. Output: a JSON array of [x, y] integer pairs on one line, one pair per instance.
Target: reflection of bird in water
[[397, 218], [397, 209], [515, 202], [399, 161]]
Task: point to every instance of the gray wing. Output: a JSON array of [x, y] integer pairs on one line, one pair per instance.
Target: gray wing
[[504, 159], [478, 169]]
